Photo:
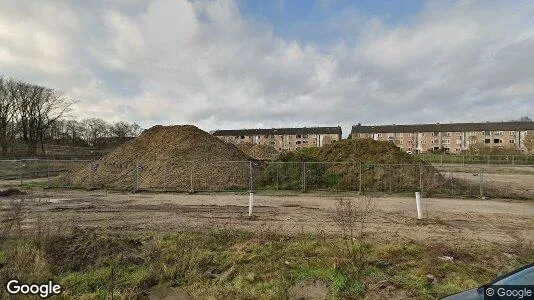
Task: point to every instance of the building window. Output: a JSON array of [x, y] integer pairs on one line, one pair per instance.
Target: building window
[[512, 132], [497, 141], [299, 136], [487, 132], [400, 134], [304, 136], [435, 133], [242, 137], [447, 141], [512, 141], [448, 134], [487, 141], [298, 142]]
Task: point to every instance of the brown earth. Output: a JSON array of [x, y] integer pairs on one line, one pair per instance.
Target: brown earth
[[165, 156], [450, 221], [262, 152]]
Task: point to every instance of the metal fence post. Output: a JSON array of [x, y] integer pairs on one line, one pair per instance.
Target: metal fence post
[[481, 175], [360, 180], [390, 179], [250, 177], [277, 171], [136, 176], [421, 178], [21, 172], [452, 183], [47, 175], [191, 188], [92, 173], [513, 160], [303, 176]]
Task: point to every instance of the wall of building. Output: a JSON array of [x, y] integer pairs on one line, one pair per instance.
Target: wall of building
[[452, 142], [284, 142]]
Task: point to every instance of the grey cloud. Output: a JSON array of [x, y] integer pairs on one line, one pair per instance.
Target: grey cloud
[[202, 62]]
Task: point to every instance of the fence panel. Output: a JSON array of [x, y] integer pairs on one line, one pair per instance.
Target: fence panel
[[222, 176], [469, 180], [460, 159]]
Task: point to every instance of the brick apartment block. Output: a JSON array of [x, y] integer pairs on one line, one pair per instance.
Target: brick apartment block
[[282, 138], [452, 138]]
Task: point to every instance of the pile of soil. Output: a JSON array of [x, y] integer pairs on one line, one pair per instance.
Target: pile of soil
[[262, 152], [357, 150], [169, 157], [337, 166]]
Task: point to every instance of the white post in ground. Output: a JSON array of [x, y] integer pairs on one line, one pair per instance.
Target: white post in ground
[[418, 205], [250, 203]]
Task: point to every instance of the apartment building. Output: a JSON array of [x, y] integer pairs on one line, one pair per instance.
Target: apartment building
[[452, 137], [282, 138]]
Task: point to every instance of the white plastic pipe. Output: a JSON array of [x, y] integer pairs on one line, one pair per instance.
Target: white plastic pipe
[[250, 204], [418, 205]]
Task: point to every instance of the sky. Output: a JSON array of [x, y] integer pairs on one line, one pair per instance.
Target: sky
[[230, 64]]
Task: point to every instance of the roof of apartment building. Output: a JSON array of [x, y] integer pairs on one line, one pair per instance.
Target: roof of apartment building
[[451, 127], [279, 131]]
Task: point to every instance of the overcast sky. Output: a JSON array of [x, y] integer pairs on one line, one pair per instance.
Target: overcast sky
[[236, 64]]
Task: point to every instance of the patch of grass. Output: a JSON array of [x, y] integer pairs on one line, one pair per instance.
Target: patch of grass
[[262, 265]]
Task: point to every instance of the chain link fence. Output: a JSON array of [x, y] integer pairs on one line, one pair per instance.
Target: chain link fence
[[456, 159], [363, 178]]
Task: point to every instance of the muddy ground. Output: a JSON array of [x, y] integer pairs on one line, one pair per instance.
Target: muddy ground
[[449, 221]]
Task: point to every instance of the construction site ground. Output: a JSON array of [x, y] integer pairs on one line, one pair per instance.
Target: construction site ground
[[448, 220]]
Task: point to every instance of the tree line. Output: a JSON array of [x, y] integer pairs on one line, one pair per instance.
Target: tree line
[[33, 115]]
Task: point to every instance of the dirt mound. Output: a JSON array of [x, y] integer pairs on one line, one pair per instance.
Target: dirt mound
[[169, 157], [357, 150], [337, 166], [262, 152]]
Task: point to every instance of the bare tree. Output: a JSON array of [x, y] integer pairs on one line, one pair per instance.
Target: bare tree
[[7, 115], [37, 108], [136, 129], [121, 129], [74, 131], [95, 129]]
